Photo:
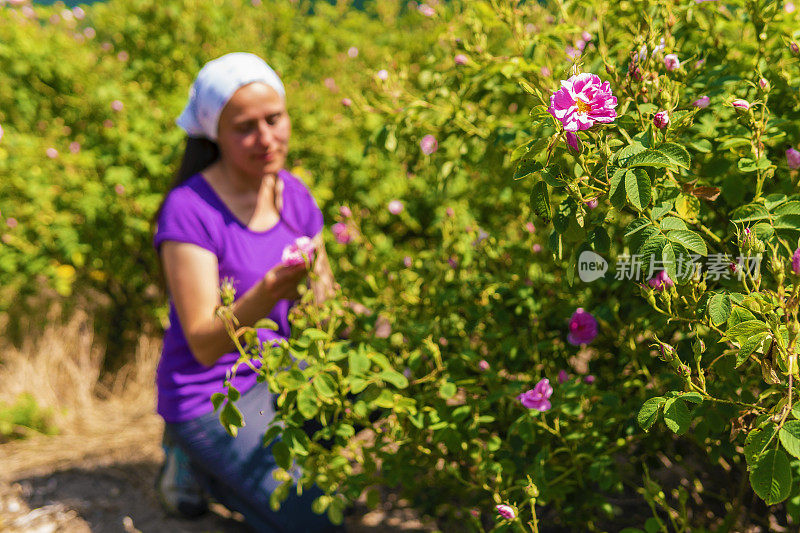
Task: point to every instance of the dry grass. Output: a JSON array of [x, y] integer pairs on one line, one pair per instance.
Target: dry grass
[[61, 368]]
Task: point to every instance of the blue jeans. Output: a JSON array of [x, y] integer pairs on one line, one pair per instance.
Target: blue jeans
[[237, 472]]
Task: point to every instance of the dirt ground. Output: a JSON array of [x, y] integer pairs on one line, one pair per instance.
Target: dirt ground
[[104, 483]]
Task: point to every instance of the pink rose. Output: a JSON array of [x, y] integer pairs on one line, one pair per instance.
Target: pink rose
[[582, 328], [484, 365], [395, 207], [1, 132], [582, 101], [449, 212], [671, 62], [341, 233], [51, 152], [793, 158], [11, 222], [763, 83], [428, 144], [506, 511], [661, 120], [407, 261], [545, 72], [660, 281], [383, 74], [117, 106], [347, 102], [591, 204], [702, 102], [529, 227], [460, 59], [589, 379], [796, 261], [426, 10], [538, 397], [295, 253], [573, 141], [119, 189], [537, 248], [352, 51], [563, 377], [89, 33], [740, 104], [74, 147], [345, 211]]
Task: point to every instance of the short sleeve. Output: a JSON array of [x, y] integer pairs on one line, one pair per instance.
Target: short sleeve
[[183, 218], [303, 209]]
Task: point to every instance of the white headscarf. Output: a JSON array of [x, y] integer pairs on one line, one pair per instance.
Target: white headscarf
[[215, 84]]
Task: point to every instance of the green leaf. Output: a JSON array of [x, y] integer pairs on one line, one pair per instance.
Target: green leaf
[[231, 419], [668, 223], [649, 158], [526, 168], [553, 177], [694, 397], [357, 384], [266, 323], [270, 435], [358, 362], [447, 390], [677, 154], [676, 415], [216, 399], [325, 385], [771, 478], [757, 441], [540, 200], [649, 412], [746, 329], [291, 380], [719, 308], [748, 346], [297, 441], [677, 261], [307, 402], [689, 240], [638, 187], [790, 437], [315, 334], [283, 457], [395, 378], [749, 213]]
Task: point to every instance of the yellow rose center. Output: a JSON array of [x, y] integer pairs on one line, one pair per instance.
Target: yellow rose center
[[583, 107]]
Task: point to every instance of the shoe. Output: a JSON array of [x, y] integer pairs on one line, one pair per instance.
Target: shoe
[[177, 487]]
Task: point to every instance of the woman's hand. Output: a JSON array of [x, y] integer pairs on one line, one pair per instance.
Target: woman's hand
[[282, 280]]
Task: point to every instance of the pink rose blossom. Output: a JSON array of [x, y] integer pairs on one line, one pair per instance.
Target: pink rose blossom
[[537, 248], [11, 222], [54, 18], [1, 132], [660, 281], [793, 158], [426, 10], [28, 12], [763, 83], [460, 59], [107, 46], [119, 189], [582, 328], [740, 104], [66, 14], [702, 102], [591, 204], [506, 511], [347, 102], [563, 377], [407, 261], [117, 106], [475, 513], [796, 261], [78, 13], [573, 142], [545, 72], [74, 147], [449, 212], [572, 52], [671, 62], [293, 254], [586, 36], [442, 341], [52, 153], [395, 207], [123, 56], [661, 120], [345, 211], [794, 47], [428, 144], [330, 83], [589, 379], [341, 233], [788, 7], [512, 107], [484, 365], [582, 101], [382, 74], [529, 227], [352, 52], [538, 397], [89, 32], [453, 262]]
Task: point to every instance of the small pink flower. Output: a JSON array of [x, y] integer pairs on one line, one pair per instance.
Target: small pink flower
[[255, 3], [573, 142], [28, 12], [538, 397], [11, 222], [89, 32], [702, 102], [788, 7], [108, 123], [582, 101], [512, 107], [591, 204], [460, 59], [763, 83], [453, 262], [660, 281], [347, 102], [395, 207], [352, 51], [345, 211], [428, 144], [661, 120], [671, 62], [107, 46], [793, 158], [586, 36], [426, 10], [54, 18], [740, 104], [484, 365], [1, 132], [796, 261], [119, 189], [117, 106], [589, 379], [506, 511], [794, 47], [582, 328], [572, 52], [580, 44], [52, 153], [293, 253], [475, 513], [529, 227], [123, 56], [442, 341], [330, 83], [545, 72], [67, 14], [563, 377], [449, 212], [78, 13], [407, 261], [383, 328], [537, 248], [383, 74], [341, 233]]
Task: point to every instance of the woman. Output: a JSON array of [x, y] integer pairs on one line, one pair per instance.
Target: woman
[[230, 214]]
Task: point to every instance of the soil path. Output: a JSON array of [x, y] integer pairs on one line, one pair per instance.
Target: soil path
[[104, 483]]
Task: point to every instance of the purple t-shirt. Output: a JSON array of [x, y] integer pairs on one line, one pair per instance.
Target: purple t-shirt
[[193, 213]]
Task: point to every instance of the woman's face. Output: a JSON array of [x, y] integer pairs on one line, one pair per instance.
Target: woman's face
[[254, 129]]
